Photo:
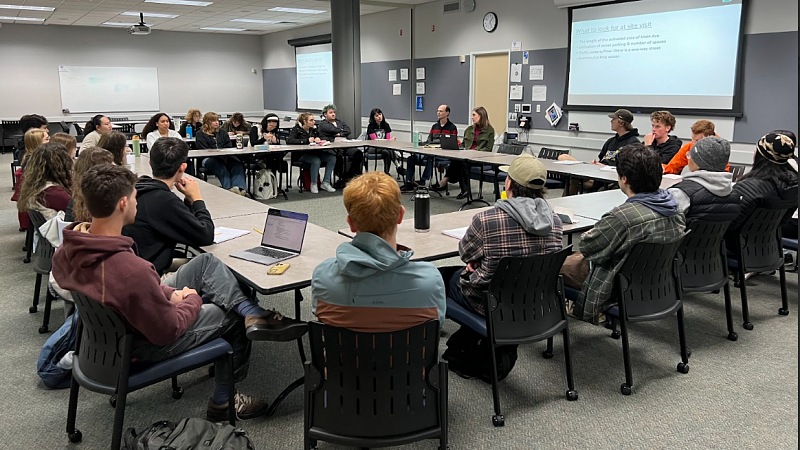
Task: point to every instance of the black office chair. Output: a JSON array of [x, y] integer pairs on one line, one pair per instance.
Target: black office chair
[[102, 363], [375, 389], [646, 288], [525, 304], [19, 149], [737, 170], [554, 181], [42, 266], [703, 262], [758, 248], [9, 129]]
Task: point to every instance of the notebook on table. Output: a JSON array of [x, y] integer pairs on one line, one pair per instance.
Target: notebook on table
[[284, 232]]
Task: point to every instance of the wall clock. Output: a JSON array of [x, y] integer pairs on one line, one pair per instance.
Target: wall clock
[[490, 22]]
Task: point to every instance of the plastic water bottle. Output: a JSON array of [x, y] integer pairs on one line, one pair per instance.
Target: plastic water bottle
[[422, 210], [415, 138], [189, 131], [137, 150]]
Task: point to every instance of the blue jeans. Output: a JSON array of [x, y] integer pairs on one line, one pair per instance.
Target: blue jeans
[[412, 161], [315, 159], [228, 170]]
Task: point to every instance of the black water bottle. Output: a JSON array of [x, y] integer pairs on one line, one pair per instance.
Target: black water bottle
[[422, 210]]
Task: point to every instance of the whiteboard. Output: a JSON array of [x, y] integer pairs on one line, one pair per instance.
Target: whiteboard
[[108, 89]]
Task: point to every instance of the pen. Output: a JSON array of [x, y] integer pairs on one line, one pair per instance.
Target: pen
[[257, 231]]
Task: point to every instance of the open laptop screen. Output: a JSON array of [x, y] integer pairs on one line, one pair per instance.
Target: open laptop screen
[[285, 230]]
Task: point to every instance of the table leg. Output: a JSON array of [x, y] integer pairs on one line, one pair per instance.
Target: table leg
[[468, 183]]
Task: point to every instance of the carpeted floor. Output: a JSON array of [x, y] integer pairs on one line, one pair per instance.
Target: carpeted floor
[[737, 395]]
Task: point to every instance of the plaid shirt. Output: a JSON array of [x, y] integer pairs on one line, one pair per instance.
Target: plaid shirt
[[607, 244], [492, 235]]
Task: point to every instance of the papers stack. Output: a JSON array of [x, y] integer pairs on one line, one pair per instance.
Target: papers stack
[[222, 234], [457, 233]]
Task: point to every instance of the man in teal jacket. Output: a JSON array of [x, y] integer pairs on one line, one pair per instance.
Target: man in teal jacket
[[371, 285]]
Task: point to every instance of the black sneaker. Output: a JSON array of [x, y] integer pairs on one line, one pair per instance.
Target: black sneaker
[[408, 187], [438, 187]]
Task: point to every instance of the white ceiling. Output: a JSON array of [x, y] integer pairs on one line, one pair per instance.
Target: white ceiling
[[190, 18]]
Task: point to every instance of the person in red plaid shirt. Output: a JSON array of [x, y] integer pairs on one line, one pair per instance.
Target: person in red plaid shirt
[[523, 225]]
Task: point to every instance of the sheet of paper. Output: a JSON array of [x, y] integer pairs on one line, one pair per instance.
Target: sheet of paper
[[420, 88], [403, 74], [457, 233], [516, 46], [420, 73], [525, 57], [515, 93], [539, 93], [393, 75], [568, 162], [536, 72], [516, 73], [222, 234], [397, 89], [609, 168]]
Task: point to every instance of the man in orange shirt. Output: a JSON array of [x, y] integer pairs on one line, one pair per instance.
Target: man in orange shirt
[[701, 129]]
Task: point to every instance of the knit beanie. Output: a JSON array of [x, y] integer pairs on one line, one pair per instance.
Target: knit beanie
[[711, 153], [777, 148]]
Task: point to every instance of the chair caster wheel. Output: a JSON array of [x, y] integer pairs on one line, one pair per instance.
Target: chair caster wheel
[[26, 260], [498, 420], [747, 326], [783, 312], [732, 336], [75, 436], [625, 389], [211, 372], [572, 395], [113, 401], [43, 329], [447, 193], [615, 334], [177, 393], [683, 367], [547, 355], [33, 309]]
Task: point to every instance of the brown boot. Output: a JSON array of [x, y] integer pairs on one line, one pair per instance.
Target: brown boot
[[273, 326]]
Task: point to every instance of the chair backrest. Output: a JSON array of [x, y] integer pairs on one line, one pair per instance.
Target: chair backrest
[[139, 127], [551, 153], [78, 128], [118, 119], [737, 170], [525, 297], [702, 259], [759, 240], [647, 285], [55, 127], [510, 149], [44, 250], [103, 350], [11, 128], [373, 385]]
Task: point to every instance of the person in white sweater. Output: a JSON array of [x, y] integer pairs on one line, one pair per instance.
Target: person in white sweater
[[95, 128], [160, 125]]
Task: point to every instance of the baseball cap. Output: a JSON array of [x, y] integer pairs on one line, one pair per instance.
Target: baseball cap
[[623, 115], [527, 171]]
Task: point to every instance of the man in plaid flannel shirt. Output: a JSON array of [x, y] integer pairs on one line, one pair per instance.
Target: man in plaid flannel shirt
[[649, 214], [523, 225]]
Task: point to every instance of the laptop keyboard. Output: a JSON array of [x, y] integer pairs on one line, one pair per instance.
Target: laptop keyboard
[[272, 253]]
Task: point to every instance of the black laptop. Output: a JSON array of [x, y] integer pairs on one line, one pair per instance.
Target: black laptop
[[449, 141]]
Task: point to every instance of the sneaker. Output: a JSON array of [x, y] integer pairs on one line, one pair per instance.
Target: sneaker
[[246, 407], [314, 189], [273, 326], [327, 186], [340, 184], [438, 187], [408, 187], [238, 190]]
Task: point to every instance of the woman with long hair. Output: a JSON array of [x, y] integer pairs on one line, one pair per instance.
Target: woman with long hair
[[48, 181], [377, 129], [160, 125], [305, 133], [228, 169], [478, 136], [76, 209], [236, 125], [193, 120], [68, 141], [33, 138], [95, 128], [117, 144]]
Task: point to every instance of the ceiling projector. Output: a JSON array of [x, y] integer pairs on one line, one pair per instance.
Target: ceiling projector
[[141, 28]]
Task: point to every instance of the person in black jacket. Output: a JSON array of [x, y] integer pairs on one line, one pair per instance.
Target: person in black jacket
[[268, 132], [193, 121], [378, 128], [228, 169], [305, 133], [331, 129], [663, 122], [162, 219]]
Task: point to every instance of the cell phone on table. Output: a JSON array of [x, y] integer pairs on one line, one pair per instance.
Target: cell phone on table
[[278, 269]]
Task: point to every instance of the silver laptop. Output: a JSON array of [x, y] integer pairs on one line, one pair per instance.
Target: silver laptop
[[283, 237], [449, 141]]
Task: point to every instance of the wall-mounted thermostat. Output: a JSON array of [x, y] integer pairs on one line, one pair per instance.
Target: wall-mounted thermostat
[[526, 108]]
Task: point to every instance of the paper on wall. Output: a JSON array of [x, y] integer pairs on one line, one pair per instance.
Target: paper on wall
[[516, 73], [393, 75], [403, 74], [539, 93], [515, 92], [397, 89], [525, 57], [536, 72]]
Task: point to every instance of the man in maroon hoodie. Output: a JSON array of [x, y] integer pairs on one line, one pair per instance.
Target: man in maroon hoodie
[[96, 260]]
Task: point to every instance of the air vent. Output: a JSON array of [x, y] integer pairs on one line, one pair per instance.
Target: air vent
[[452, 7]]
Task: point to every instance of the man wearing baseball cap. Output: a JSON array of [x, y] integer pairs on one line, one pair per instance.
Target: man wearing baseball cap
[[705, 192], [522, 225]]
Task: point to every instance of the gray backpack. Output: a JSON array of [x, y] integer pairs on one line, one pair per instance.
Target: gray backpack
[[188, 434]]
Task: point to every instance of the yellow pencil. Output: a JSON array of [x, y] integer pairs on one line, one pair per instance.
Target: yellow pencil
[[257, 231]]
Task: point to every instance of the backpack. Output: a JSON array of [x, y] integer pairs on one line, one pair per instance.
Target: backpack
[[469, 356], [266, 185], [188, 434], [53, 351]]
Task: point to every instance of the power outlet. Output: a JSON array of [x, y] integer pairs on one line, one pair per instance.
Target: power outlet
[[512, 117], [538, 108], [517, 107]]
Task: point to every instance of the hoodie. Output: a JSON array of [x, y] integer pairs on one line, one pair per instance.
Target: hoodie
[[660, 201], [608, 153], [371, 287], [717, 183], [107, 270], [519, 226], [163, 220], [668, 149]]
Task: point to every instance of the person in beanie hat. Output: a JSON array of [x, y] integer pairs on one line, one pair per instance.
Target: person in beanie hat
[[705, 192], [770, 176]]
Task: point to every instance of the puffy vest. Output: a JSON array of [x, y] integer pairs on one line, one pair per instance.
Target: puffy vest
[[707, 206]]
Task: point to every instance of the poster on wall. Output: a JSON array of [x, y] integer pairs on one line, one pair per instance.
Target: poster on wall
[[419, 103], [421, 88], [403, 74], [420, 73]]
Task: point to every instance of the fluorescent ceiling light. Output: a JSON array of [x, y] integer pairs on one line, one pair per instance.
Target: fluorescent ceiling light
[[295, 10], [163, 16], [121, 24], [179, 2], [254, 21], [221, 29], [28, 8], [29, 19]]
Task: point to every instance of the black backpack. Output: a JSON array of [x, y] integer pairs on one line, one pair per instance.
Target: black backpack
[[188, 434], [469, 356]]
